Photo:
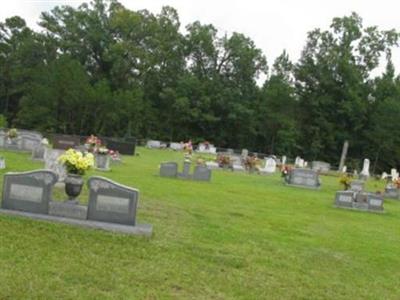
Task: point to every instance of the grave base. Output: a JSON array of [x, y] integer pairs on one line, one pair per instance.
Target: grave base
[[361, 209], [304, 186], [139, 229]]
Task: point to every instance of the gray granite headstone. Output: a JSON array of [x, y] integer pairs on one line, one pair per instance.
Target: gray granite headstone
[[28, 143], [392, 193], [102, 162], [51, 163], [320, 166], [111, 202], [13, 144], [28, 191], [38, 152], [169, 169], [303, 177], [202, 173]]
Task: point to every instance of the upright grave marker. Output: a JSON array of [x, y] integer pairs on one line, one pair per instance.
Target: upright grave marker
[[28, 191]]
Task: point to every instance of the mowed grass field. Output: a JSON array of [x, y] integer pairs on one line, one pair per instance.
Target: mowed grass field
[[239, 237]]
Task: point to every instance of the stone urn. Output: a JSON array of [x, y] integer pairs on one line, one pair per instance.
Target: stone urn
[[73, 187], [103, 161]]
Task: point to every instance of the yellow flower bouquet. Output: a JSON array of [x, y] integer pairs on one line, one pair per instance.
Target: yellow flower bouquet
[[76, 162]]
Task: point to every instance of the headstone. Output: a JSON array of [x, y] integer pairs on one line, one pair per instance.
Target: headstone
[[111, 202], [153, 144], [169, 169], [51, 163], [201, 173], [304, 178], [28, 191], [344, 169], [65, 142], [102, 162], [284, 160], [321, 166], [394, 174], [237, 164], [364, 175], [38, 152], [28, 143], [14, 144], [212, 165], [357, 186], [392, 192], [245, 153], [2, 163], [123, 147], [176, 146], [270, 166]]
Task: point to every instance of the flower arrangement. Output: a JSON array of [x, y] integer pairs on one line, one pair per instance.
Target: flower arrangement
[[285, 171], [188, 147], [92, 143], [251, 163], [102, 150], [114, 154], [397, 183], [12, 133], [76, 162], [223, 160], [345, 180]]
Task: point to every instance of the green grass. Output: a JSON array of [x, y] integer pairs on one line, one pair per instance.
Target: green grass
[[239, 237]]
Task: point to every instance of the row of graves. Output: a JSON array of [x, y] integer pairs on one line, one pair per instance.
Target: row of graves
[[203, 148], [111, 206]]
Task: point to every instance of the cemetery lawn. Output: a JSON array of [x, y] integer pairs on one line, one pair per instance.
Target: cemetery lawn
[[239, 237]]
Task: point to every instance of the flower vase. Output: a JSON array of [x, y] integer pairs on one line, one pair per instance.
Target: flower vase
[[73, 187], [103, 161]]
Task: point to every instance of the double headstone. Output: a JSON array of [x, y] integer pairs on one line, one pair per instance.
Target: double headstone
[[320, 166], [359, 200]]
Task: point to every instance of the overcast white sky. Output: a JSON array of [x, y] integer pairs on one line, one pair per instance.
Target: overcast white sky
[[273, 25]]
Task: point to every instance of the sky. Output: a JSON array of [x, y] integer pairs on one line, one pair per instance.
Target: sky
[[272, 25]]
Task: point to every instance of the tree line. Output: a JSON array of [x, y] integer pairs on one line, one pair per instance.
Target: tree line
[[104, 69]]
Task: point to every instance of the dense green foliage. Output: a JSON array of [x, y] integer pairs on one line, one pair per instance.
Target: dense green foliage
[[104, 69], [239, 237]]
